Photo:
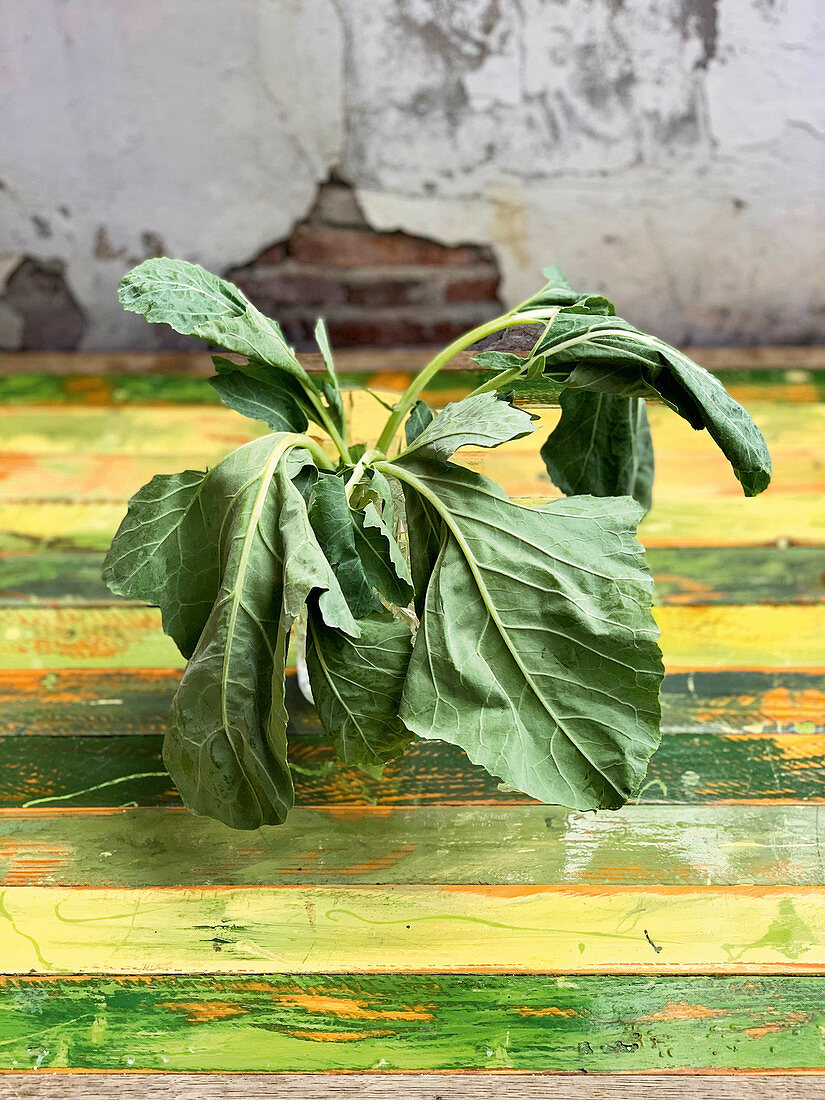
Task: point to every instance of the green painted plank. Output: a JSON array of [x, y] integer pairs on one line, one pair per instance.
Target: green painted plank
[[683, 575], [145, 388], [429, 845], [281, 1023], [688, 768], [112, 702]]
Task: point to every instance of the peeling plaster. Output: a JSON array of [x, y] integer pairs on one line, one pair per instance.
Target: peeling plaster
[[672, 153]]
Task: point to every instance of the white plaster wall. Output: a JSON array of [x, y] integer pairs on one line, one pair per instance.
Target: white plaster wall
[[669, 151]]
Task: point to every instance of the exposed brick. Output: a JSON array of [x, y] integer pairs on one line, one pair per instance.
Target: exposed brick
[[336, 247], [272, 255], [390, 290], [289, 284], [477, 288], [39, 295], [371, 287]]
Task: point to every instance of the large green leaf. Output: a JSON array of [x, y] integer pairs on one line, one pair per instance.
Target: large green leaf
[[420, 416], [382, 559], [195, 302], [226, 741], [607, 355], [480, 421], [357, 684], [601, 446], [334, 525], [537, 649], [558, 292], [168, 549], [262, 393]]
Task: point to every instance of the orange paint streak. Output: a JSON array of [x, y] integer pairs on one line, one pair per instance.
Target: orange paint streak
[[349, 1006], [681, 1010], [337, 1036], [550, 1010], [198, 1012]]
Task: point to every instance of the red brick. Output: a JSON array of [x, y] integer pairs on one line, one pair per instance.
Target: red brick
[[390, 291], [274, 254], [479, 288], [289, 285], [376, 331], [363, 248]]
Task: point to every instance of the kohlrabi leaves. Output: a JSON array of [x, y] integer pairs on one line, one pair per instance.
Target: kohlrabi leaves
[[479, 421], [424, 533], [195, 302], [225, 745], [385, 565], [330, 386], [558, 292], [607, 355], [167, 551], [357, 684], [263, 393], [420, 417], [601, 447], [333, 523], [537, 649]]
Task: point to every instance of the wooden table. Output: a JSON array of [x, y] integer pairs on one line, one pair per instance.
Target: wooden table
[[431, 922]]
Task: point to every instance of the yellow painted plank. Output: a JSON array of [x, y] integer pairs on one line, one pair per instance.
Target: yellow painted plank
[[425, 929], [749, 636], [85, 453], [693, 637]]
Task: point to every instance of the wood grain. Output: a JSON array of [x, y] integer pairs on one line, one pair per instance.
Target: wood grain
[[113, 702], [642, 845], [415, 929], [199, 364], [278, 1022], [432, 1086], [692, 637], [706, 575]]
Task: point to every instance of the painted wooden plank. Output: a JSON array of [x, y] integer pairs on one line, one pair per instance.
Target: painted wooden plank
[[113, 702], [423, 929], [708, 575], [196, 363], [796, 385], [436, 845], [87, 637], [706, 1084], [94, 453], [279, 1022], [771, 519], [688, 768], [123, 635]]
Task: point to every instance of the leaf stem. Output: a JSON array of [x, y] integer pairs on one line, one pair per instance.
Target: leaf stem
[[355, 476], [512, 373], [426, 375]]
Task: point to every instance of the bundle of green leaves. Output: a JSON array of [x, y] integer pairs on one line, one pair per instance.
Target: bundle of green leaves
[[422, 601]]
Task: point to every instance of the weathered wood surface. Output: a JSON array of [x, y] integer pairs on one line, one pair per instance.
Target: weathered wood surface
[[113, 702], [706, 575], [431, 1086], [644, 845], [768, 357], [687, 931], [323, 929], [277, 1022], [693, 637]]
